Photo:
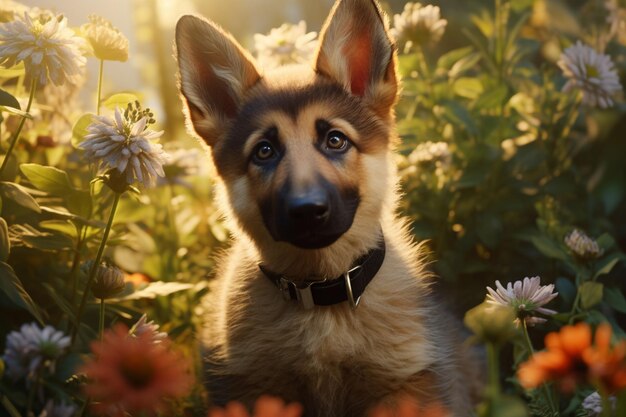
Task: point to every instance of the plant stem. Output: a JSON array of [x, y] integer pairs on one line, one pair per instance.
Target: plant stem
[[99, 94], [101, 327], [531, 351], [9, 406], [31, 395], [33, 87], [494, 370], [94, 266]]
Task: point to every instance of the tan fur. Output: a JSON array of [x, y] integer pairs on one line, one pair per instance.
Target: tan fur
[[336, 361]]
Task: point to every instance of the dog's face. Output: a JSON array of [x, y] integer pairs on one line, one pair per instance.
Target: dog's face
[[298, 149]]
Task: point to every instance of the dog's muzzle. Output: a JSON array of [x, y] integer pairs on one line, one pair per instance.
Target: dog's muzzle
[[312, 217]]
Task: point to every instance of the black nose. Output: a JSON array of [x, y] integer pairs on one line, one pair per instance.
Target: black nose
[[311, 209]]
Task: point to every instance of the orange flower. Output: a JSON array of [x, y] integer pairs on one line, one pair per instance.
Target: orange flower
[[133, 374], [264, 407], [408, 407], [570, 359]]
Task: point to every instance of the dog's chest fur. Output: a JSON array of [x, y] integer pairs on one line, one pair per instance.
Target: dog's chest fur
[[334, 360]]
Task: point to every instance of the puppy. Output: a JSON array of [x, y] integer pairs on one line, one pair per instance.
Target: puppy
[[323, 297]]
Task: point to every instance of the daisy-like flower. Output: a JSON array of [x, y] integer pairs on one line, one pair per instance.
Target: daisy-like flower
[[526, 297], [31, 348], [582, 246], [264, 406], [419, 24], [287, 44], [591, 72], [106, 41], [49, 49], [9, 9], [124, 144], [145, 327], [593, 404], [108, 281], [134, 375], [571, 359], [184, 163], [57, 410], [437, 152]]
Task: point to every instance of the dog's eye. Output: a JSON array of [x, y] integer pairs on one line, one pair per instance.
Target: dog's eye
[[336, 141], [264, 151]]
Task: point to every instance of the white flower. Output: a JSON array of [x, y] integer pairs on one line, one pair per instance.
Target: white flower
[[582, 245], [591, 72], [184, 163], [107, 42], [593, 404], [9, 9], [438, 152], [419, 24], [49, 49], [143, 326], [124, 144], [27, 349], [526, 297], [57, 410], [287, 44]]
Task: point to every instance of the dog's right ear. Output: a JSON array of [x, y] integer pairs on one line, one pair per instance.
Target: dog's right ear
[[215, 72]]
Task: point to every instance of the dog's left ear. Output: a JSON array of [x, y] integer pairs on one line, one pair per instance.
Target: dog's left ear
[[357, 52]]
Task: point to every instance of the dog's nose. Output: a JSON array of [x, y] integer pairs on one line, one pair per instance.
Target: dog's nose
[[312, 209]]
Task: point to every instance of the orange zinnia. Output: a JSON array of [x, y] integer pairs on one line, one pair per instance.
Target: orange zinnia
[[570, 358], [264, 407], [134, 375], [407, 407]]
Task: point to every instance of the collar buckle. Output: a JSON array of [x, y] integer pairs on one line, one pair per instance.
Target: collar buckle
[[303, 293]]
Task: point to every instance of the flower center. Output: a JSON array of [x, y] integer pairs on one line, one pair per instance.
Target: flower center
[[37, 28], [592, 71], [137, 371]]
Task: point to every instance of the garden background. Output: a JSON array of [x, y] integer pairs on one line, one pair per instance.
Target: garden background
[[512, 165]]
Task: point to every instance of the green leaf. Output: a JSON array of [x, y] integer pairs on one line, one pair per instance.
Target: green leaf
[[11, 285], [447, 60], [615, 298], [18, 194], [607, 265], [61, 302], [7, 99], [492, 98], [508, 406], [79, 131], [606, 242], [16, 112], [156, 289], [5, 243], [590, 294], [48, 242], [13, 72], [49, 179], [566, 289], [464, 64], [548, 247], [455, 113], [468, 87], [120, 100], [79, 202], [62, 226]]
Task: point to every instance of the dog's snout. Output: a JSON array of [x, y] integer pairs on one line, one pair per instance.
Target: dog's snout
[[311, 209]]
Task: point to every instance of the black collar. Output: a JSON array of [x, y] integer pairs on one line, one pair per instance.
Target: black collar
[[349, 286]]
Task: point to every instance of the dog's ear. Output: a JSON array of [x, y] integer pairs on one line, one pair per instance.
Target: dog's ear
[[215, 72], [357, 52]]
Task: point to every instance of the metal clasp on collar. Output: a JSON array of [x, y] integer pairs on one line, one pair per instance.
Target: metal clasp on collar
[[353, 303], [302, 291]]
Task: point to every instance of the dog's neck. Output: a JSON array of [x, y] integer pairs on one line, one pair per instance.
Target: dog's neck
[[317, 264]]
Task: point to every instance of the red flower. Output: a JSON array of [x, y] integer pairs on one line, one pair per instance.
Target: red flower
[[134, 375]]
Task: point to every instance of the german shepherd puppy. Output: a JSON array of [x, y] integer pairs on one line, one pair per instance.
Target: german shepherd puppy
[[305, 158]]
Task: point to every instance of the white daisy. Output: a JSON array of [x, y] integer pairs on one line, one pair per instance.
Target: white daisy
[[419, 24], [143, 326], [125, 144], [526, 297], [287, 44], [582, 246], [591, 72], [29, 348], [50, 50], [106, 41]]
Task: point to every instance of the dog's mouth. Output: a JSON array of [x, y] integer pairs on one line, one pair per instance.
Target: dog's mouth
[[311, 219]]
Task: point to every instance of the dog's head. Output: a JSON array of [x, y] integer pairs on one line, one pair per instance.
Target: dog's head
[[304, 151]]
